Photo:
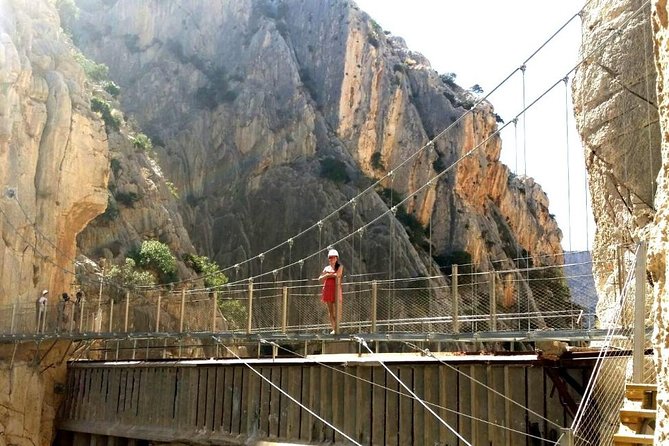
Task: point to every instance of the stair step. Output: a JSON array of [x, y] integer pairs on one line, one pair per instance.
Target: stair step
[[632, 439], [635, 392], [637, 414]]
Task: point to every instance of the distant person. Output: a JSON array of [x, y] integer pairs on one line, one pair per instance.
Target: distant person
[[40, 311], [64, 312], [331, 278], [76, 308]]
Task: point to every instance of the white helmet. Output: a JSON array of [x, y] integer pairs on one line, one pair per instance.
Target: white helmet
[[333, 253]]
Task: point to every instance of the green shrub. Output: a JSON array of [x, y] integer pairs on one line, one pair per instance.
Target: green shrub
[[112, 88], [127, 199], [448, 78], [334, 170], [102, 107], [142, 142], [210, 271], [173, 189], [235, 312], [461, 258], [94, 71], [376, 161], [156, 257], [130, 276], [115, 164], [438, 165]]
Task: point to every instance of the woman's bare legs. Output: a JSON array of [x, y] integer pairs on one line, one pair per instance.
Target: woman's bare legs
[[331, 313]]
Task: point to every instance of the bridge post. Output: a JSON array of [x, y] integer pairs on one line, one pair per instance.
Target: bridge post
[[639, 315], [183, 307], [249, 321], [111, 315], [375, 293], [493, 302], [81, 315], [284, 310], [214, 310], [454, 290], [567, 437], [160, 296], [127, 311]]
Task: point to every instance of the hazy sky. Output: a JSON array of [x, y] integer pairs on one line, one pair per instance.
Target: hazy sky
[[483, 41]]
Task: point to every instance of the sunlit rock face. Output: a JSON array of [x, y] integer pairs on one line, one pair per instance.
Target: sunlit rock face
[[616, 114], [271, 115], [53, 152]]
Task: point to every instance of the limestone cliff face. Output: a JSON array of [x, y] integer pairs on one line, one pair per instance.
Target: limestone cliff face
[[616, 113], [274, 114], [53, 152], [659, 245]]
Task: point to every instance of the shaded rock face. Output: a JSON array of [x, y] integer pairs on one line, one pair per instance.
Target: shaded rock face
[[272, 115], [53, 152], [616, 113]]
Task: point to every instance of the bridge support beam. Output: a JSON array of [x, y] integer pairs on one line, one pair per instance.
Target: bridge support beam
[[639, 314]]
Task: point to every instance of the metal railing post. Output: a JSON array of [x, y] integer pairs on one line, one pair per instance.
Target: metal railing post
[[127, 311], [455, 308], [214, 310], [11, 328], [81, 315], [183, 307], [158, 313], [375, 294], [567, 437], [639, 314], [249, 321], [284, 310], [111, 315], [493, 302]]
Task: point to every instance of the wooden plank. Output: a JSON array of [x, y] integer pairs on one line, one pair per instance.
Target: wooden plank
[[465, 407], [498, 433], [378, 405], [192, 378], [350, 389], [516, 391], [228, 381], [201, 392], [210, 424], [406, 405], [274, 402], [306, 419], [237, 395], [265, 391], [244, 416], [294, 386], [253, 404], [554, 410], [431, 398], [419, 411], [392, 409], [325, 410], [284, 402], [219, 388], [338, 405], [114, 380], [479, 404], [449, 397], [363, 409], [536, 393]]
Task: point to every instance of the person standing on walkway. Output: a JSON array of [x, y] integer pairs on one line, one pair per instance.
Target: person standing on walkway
[[331, 278], [40, 311]]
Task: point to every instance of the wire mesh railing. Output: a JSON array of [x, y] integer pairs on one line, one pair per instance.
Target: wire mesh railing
[[542, 298]]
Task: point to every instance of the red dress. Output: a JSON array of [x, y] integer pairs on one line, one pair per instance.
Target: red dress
[[329, 286]]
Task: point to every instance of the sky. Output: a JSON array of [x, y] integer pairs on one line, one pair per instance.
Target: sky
[[482, 42]]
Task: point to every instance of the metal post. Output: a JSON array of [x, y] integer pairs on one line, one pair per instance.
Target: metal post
[[160, 296], [111, 315], [337, 304], [214, 310], [127, 311], [375, 291], [493, 302], [11, 330], [567, 437], [249, 322], [639, 314], [183, 307], [81, 315], [284, 310], [454, 290]]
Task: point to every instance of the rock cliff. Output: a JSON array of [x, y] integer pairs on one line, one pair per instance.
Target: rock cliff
[[271, 115]]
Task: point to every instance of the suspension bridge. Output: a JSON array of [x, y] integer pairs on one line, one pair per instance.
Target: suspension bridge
[[254, 359]]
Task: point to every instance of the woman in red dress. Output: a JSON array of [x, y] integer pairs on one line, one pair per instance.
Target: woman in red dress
[[331, 278]]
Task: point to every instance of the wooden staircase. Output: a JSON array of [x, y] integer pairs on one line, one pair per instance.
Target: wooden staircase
[[637, 417]]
